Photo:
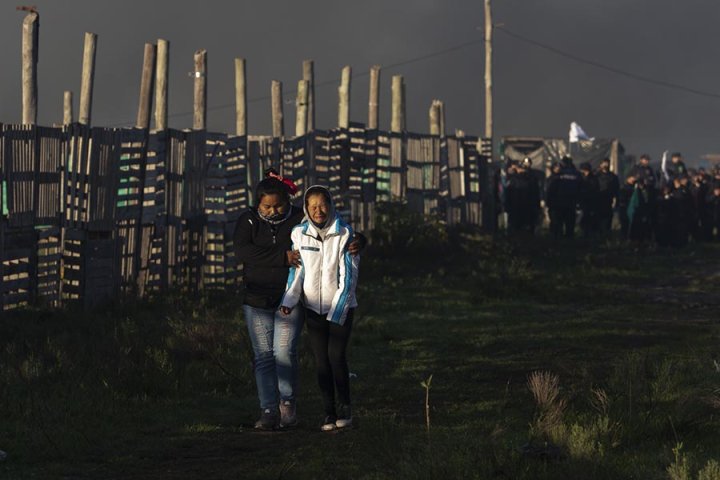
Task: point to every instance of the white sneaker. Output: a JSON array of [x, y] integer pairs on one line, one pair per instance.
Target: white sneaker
[[328, 424], [344, 419]]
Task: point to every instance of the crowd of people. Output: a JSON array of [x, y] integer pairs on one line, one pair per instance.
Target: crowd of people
[[670, 206]]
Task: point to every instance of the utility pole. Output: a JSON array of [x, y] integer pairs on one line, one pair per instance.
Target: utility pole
[[488, 71]]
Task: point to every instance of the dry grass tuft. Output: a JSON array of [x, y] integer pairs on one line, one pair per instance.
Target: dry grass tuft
[[545, 387]]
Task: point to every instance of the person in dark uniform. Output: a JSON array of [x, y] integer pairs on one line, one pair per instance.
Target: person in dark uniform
[[554, 172], [640, 212], [563, 192], [668, 217], [699, 190], [675, 168], [623, 202], [522, 199], [589, 200], [539, 177], [507, 172], [713, 206], [683, 198], [609, 188], [642, 222], [643, 172]]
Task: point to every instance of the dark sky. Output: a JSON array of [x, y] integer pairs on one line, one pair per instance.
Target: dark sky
[[536, 92]]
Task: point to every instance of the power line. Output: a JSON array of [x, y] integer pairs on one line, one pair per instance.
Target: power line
[[608, 68], [460, 46]]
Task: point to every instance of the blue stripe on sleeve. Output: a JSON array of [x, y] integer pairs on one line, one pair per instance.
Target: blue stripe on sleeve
[[337, 315], [291, 278]]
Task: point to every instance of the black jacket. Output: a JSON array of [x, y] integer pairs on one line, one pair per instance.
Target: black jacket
[[563, 188], [589, 194], [675, 170], [261, 247], [522, 194], [609, 186], [644, 175]]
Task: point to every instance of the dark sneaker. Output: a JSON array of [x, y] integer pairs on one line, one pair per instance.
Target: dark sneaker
[[344, 418], [268, 420], [328, 425], [288, 415]]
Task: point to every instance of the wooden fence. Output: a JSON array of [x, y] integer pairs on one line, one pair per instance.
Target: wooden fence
[[89, 214]]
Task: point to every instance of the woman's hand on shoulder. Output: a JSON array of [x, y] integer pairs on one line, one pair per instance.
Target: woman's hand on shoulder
[[293, 258], [358, 244]]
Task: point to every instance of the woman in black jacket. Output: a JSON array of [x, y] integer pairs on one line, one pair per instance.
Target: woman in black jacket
[[263, 246]]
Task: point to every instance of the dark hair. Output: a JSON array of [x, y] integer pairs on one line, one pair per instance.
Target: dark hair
[[676, 154], [645, 156], [605, 160], [271, 186], [586, 166]]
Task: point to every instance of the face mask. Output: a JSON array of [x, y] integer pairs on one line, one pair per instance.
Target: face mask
[[275, 219]]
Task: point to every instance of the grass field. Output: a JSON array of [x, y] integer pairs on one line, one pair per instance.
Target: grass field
[[548, 361]]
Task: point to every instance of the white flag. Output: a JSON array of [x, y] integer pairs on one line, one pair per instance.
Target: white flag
[[577, 133]]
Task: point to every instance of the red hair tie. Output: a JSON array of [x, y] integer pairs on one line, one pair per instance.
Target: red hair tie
[[292, 188]]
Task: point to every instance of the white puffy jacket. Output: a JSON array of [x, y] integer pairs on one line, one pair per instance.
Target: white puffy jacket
[[327, 278]]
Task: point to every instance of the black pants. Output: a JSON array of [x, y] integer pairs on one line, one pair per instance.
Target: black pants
[[562, 221], [329, 343], [624, 222], [605, 218]]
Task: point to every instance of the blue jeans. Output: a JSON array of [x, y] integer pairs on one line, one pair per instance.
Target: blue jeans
[[274, 339]]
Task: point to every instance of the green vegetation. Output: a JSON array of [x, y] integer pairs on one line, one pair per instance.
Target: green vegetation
[[547, 361]]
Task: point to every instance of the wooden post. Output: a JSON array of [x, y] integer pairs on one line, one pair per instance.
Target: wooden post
[[434, 117], [67, 107], [200, 91], [441, 116], [373, 105], [309, 75], [161, 84], [302, 108], [278, 127], [344, 98], [240, 97], [30, 34], [146, 86], [404, 105], [397, 123], [88, 77], [488, 70]]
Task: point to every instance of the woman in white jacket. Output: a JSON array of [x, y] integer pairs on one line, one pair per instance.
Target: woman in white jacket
[[325, 283]]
